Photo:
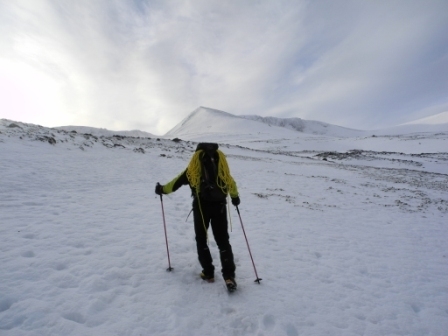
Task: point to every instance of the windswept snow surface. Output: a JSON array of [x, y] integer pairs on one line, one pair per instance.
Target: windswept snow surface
[[347, 239]]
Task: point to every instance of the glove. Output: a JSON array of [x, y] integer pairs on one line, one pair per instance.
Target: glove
[[159, 189], [236, 201]]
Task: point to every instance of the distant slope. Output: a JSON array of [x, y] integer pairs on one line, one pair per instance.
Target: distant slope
[[441, 118], [307, 126], [437, 123], [83, 138], [206, 123], [104, 132]]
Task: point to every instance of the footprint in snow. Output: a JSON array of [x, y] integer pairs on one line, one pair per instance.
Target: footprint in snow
[[416, 308], [75, 317], [5, 304], [28, 254], [60, 267], [291, 330], [269, 321]]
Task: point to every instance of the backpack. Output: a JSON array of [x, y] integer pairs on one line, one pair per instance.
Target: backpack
[[209, 189]]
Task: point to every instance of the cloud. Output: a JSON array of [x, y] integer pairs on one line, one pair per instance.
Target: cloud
[[145, 65], [380, 69]]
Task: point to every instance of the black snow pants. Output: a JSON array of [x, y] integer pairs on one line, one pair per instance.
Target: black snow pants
[[213, 214]]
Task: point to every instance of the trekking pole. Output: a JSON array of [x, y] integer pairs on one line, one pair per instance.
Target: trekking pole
[[228, 210], [247, 242], [169, 269]]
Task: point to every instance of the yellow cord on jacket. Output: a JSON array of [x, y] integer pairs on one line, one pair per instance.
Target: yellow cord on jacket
[[223, 180]]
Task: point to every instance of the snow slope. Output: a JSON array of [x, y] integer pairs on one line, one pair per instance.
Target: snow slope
[[440, 118], [205, 123], [105, 132], [346, 242], [307, 126]]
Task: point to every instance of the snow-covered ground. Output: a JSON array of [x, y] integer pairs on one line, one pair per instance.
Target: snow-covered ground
[[349, 234]]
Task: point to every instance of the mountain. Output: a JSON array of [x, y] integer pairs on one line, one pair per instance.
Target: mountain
[[206, 123]]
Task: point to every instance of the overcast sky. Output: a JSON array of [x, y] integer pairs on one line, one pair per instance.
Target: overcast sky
[[137, 64]]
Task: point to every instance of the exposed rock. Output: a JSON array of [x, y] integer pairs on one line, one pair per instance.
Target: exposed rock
[[139, 150], [50, 140]]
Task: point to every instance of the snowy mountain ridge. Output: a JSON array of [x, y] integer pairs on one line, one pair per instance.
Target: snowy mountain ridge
[[307, 126], [206, 123], [205, 120]]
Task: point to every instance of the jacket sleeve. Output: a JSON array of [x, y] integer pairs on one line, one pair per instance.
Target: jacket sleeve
[[233, 190], [176, 183]]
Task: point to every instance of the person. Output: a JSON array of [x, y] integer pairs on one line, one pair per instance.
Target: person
[[209, 178]]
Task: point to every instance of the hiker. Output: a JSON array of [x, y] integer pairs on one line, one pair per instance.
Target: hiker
[[210, 181]]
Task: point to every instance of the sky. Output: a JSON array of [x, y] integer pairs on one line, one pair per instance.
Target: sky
[[146, 65]]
